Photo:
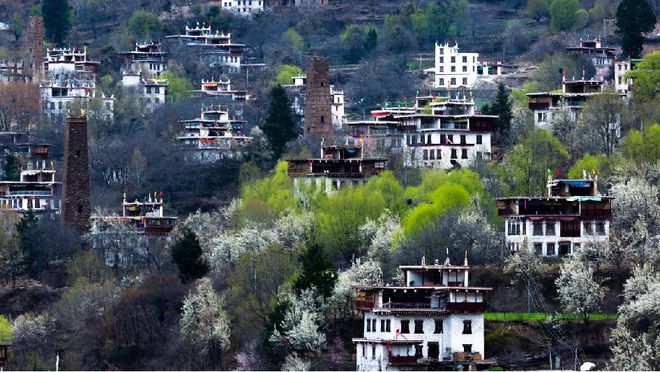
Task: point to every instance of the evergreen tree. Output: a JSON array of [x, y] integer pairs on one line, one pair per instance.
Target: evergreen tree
[[279, 126], [371, 41], [25, 229], [633, 18], [316, 271], [187, 255], [502, 108], [12, 168], [12, 258], [57, 19]]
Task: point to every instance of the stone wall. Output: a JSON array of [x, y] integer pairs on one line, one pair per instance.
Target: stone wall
[[318, 100], [34, 45], [75, 190]]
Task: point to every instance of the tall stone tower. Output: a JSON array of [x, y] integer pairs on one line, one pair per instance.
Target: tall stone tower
[[34, 46], [318, 100], [75, 190]]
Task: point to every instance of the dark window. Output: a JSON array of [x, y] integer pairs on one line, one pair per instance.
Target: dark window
[[550, 249], [382, 325], [439, 153], [368, 325], [478, 139], [464, 154], [467, 327], [453, 59], [387, 325], [438, 326], [434, 350], [463, 139], [467, 348], [600, 228], [538, 248], [77, 153], [373, 325], [432, 154], [425, 154], [373, 352], [538, 228], [453, 154], [588, 227], [550, 228], [453, 81], [464, 59], [322, 119], [465, 81], [419, 326], [405, 326], [465, 70]]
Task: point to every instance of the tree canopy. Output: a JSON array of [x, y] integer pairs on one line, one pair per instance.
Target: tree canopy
[[633, 19], [57, 19]]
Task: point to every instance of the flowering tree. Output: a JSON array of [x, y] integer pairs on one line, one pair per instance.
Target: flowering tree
[[295, 363], [636, 338], [302, 324], [361, 272], [578, 291], [204, 323]]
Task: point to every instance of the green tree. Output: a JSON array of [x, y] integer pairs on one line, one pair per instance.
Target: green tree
[[589, 164], [643, 147], [87, 266], [279, 126], [528, 162], [13, 260], [188, 256], [179, 86], [143, 25], [371, 40], [502, 108], [57, 19], [633, 19], [296, 40], [16, 25], [316, 271], [286, 73], [646, 77], [12, 168], [538, 9], [25, 229], [564, 14], [6, 334], [353, 40]]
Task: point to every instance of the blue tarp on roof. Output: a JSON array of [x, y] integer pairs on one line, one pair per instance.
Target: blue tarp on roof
[[577, 183], [585, 198]]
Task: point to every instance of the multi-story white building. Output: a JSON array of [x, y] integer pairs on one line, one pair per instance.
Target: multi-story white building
[[573, 96], [572, 214], [445, 133], [434, 321], [621, 83], [454, 69], [146, 58], [70, 79], [152, 91], [36, 190], [337, 108], [216, 47], [244, 7], [220, 88], [213, 136]]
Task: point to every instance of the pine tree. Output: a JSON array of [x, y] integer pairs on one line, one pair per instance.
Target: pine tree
[[316, 271], [279, 127], [187, 255], [25, 229], [12, 258], [12, 168], [502, 108], [57, 19], [371, 41], [633, 18]]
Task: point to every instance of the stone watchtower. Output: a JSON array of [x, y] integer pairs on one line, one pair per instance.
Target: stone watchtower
[[34, 46], [318, 100], [75, 189]]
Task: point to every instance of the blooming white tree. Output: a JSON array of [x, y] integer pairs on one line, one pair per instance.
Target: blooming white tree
[[362, 272], [287, 231], [295, 363], [378, 236], [303, 321], [204, 323], [578, 291], [636, 338]]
